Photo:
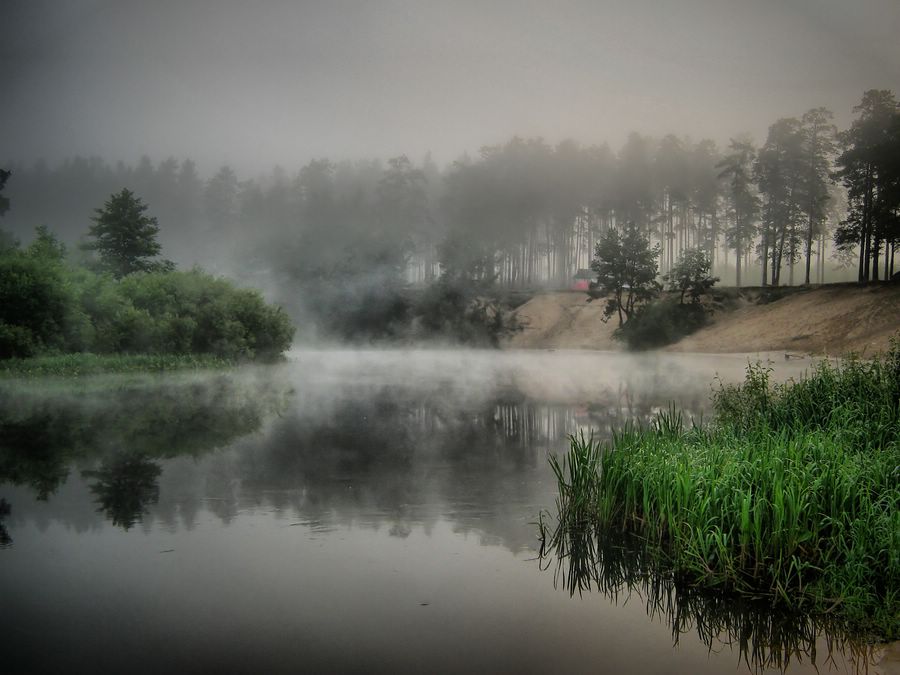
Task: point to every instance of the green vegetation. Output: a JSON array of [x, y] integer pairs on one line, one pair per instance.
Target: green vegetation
[[51, 307], [661, 323], [626, 269], [691, 275], [664, 321], [792, 495], [125, 238], [91, 364]]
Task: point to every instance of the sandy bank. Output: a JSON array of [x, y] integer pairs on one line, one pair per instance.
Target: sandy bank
[[834, 319]]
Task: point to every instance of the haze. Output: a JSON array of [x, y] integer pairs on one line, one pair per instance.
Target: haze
[[258, 84]]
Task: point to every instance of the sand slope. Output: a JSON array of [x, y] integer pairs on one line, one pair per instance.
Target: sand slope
[[833, 319], [563, 320], [825, 320]]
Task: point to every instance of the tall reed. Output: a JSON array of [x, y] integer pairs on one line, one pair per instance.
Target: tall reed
[[791, 494]]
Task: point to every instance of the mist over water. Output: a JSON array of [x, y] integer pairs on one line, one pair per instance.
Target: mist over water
[[344, 511]]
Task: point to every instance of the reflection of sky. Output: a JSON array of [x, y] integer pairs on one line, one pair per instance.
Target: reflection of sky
[[383, 520]]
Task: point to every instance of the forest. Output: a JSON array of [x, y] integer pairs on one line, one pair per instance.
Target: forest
[[341, 244]]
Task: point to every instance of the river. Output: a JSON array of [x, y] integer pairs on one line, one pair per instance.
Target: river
[[345, 511]]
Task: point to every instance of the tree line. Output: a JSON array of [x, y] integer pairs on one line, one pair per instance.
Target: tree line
[[520, 214]]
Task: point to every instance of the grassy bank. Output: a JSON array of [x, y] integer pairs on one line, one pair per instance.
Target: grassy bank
[[72, 365], [791, 494]]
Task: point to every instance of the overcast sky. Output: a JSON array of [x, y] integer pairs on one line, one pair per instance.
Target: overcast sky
[[265, 82]]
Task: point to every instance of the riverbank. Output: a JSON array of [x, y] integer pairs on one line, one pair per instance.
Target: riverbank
[[75, 365], [833, 319]]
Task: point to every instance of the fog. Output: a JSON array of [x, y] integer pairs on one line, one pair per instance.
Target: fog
[[258, 84], [342, 157]]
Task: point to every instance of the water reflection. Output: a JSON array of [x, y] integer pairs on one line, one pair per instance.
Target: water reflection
[[46, 428], [333, 460], [125, 487], [620, 566], [5, 539], [336, 437]]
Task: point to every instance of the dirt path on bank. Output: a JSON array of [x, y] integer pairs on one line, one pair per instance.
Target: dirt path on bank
[[834, 319]]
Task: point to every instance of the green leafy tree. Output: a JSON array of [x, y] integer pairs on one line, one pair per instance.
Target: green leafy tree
[[125, 237], [33, 304], [626, 267], [690, 275]]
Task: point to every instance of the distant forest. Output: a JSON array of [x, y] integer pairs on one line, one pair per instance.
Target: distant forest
[[521, 214]]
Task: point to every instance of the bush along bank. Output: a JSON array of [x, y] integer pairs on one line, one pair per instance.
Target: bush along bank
[[50, 307], [792, 494]]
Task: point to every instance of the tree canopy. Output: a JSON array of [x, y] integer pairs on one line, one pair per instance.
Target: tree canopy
[[626, 269], [125, 238], [690, 275]]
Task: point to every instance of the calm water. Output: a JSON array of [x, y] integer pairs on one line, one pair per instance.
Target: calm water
[[344, 512]]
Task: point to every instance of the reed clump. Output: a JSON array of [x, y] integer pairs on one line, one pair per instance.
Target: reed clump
[[792, 493]]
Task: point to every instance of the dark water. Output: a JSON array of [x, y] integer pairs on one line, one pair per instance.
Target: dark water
[[344, 512]]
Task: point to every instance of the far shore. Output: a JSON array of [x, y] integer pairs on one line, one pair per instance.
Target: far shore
[[829, 320]]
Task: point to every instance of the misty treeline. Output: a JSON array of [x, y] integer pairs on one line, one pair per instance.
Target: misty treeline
[[339, 242]]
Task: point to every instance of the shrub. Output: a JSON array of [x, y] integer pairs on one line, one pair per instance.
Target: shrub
[[661, 323], [47, 306]]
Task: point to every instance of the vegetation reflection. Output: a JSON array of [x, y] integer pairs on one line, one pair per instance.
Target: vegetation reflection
[[115, 428], [125, 485], [621, 566]]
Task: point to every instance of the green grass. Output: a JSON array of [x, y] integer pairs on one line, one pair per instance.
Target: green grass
[[73, 365], [791, 495]]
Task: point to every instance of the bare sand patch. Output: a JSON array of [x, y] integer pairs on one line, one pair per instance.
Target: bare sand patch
[[834, 320]]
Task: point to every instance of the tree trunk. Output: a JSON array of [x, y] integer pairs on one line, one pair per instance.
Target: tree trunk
[[809, 238]]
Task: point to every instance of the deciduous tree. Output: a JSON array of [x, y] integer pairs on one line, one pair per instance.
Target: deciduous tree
[[626, 267]]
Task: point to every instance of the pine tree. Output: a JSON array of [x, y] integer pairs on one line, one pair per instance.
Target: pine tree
[[125, 238]]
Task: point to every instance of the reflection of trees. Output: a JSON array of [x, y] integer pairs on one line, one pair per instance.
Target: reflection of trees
[[124, 486], [620, 566], [33, 451], [5, 510], [398, 455], [43, 432]]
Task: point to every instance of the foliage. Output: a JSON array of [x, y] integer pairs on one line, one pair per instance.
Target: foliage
[[460, 310], [34, 303], [691, 275], [869, 168], [792, 494], [625, 264], [71, 365], [660, 323], [50, 307], [125, 238]]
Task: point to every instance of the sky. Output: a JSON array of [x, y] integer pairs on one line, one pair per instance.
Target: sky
[[255, 84]]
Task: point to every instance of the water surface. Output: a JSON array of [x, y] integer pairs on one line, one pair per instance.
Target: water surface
[[365, 511]]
